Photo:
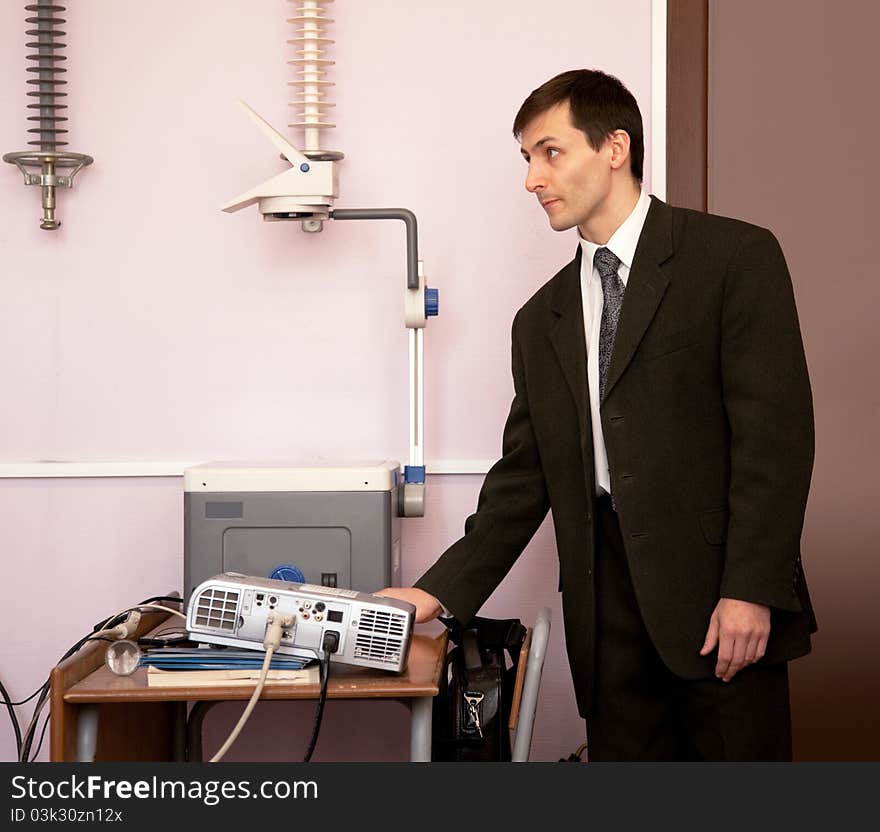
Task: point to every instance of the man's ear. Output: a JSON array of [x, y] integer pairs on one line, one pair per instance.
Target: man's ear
[[618, 142]]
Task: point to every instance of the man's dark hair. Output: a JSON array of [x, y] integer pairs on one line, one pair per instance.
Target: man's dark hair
[[600, 104]]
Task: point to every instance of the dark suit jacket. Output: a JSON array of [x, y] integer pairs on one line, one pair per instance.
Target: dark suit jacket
[[708, 426]]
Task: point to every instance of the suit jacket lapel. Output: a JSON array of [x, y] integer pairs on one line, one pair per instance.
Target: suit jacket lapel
[[644, 289], [567, 336]]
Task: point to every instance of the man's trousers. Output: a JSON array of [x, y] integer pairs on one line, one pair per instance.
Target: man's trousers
[[643, 712]]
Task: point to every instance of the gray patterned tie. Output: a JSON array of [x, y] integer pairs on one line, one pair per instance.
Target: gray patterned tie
[[607, 264]]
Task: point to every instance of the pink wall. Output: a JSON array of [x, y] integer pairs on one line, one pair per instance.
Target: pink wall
[[153, 326]]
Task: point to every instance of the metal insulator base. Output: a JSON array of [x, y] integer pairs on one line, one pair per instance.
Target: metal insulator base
[[47, 162]]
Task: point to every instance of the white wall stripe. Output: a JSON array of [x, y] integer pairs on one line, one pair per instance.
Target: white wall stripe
[[658, 98], [86, 470]]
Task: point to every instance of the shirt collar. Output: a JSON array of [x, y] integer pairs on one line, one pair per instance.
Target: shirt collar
[[624, 240]]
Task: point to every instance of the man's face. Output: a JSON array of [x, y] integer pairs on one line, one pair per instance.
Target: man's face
[[570, 179]]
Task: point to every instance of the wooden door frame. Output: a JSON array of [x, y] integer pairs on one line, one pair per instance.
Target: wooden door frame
[[687, 100]]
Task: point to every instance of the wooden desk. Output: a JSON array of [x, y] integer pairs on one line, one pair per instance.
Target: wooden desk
[[97, 715]]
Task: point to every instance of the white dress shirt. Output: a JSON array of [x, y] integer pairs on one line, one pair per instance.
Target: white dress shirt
[[622, 244]]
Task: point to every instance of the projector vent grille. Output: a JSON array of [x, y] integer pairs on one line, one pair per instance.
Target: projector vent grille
[[380, 621], [380, 636], [217, 609]]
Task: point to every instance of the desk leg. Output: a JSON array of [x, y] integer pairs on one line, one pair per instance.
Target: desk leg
[[178, 732], [86, 733], [420, 729], [197, 715]]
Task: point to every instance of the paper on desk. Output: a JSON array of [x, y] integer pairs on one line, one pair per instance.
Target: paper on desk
[[244, 677]]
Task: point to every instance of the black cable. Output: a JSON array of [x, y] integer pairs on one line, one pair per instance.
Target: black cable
[[28, 739], [24, 754], [29, 734], [325, 675], [165, 638], [329, 644], [42, 737], [25, 701], [16, 724], [174, 599], [44, 692], [13, 716], [174, 632]]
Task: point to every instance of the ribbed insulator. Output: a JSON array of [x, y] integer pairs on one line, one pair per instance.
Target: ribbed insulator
[[46, 58], [311, 83]]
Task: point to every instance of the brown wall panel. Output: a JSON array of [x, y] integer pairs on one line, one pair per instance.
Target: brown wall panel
[[686, 102], [793, 127]]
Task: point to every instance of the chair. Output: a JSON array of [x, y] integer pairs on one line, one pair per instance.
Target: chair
[[528, 683]]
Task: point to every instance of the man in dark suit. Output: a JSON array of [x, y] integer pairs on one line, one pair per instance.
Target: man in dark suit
[[663, 412]]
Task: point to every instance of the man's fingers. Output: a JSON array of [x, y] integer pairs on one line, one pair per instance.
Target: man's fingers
[[427, 606], [752, 647], [724, 658], [761, 649], [737, 657], [711, 637], [725, 653]]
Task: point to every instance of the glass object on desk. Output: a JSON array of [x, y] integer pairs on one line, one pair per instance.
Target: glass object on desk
[[122, 657]]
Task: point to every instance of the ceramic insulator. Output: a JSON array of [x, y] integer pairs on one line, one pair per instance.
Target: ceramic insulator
[[311, 84]]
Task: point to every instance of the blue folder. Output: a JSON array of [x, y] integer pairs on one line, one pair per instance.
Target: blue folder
[[213, 658]]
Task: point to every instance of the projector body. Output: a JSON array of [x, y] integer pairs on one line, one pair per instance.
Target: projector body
[[232, 609]]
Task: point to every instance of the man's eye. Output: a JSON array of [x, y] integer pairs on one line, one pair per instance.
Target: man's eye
[[552, 152]]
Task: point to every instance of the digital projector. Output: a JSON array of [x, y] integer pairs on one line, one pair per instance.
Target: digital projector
[[232, 609]]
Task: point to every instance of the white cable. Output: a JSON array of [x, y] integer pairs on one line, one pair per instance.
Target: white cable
[[276, 623], [138, 607], [247, 711], [127, 627]]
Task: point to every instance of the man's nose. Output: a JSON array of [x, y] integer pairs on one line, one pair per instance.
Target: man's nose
[[534, 180]]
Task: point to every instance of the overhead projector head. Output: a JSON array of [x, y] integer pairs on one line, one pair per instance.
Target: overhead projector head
[[372, 631], [305, 191]]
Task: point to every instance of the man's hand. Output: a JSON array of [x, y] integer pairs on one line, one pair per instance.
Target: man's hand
[[740, 629], [427, 606]]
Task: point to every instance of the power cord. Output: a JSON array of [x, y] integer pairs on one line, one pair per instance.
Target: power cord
[[330, 644]]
